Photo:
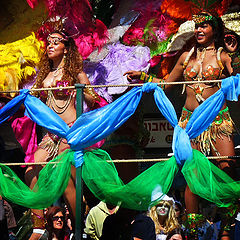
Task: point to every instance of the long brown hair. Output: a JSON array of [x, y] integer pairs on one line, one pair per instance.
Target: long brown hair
[[73, 63], [49, 226]]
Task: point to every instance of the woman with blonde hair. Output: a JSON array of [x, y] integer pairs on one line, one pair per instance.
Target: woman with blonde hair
[[164, 216]]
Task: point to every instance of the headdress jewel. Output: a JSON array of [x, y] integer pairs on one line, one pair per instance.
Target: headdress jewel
[[198, 19]]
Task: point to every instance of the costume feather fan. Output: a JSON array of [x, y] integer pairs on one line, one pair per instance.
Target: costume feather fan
[[77, 20], [184, 9], [152, 28]]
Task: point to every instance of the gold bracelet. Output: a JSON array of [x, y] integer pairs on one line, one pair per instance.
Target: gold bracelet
[[91, 92], [162, 85], [142, 77], [150, 78]]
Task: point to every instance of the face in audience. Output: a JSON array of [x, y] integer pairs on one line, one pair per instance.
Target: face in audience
[[176, 237], [162, 209], [58, 220]]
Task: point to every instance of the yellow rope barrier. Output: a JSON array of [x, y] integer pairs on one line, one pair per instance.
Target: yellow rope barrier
[[120, 85], [120, 161], [164, 159]]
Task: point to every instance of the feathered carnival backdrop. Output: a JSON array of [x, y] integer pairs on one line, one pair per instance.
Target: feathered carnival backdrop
[[153, 25]]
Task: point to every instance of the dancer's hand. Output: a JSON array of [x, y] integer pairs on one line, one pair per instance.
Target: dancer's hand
[[132, 75], [231, 42]]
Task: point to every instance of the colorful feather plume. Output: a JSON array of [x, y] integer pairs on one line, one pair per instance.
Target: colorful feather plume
[[75, 18], [153, 28], [18, 61], [184, 9]]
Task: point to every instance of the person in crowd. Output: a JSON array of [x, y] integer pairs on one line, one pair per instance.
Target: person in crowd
[[96, 217], [118, 226], [180, 212], [56, 224], [7, 220], [164, 217], [61, 65], [68, 218], [205, 59], [143, 227], [176, 234], [11, 221], [3, 221]]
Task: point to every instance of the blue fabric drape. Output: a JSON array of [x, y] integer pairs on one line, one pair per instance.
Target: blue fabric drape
[[230, 87], [88, 129], [93, 126], [204, 115], [181, 143], [11, 107], [45, 117]]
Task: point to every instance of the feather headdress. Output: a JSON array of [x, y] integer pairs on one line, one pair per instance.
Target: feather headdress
[[76, 19], [184, 9]]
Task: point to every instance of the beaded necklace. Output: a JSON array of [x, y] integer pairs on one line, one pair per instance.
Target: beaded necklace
[[56, 71], [52, 102]]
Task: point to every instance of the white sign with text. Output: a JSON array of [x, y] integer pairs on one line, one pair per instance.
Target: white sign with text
[[161, 133]]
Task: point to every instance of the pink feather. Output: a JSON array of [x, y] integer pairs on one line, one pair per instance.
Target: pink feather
[[87, 32], [32, 3]]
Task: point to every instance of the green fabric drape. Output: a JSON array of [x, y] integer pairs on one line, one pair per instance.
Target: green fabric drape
[[53, 180], [210, 182], [102, 179]]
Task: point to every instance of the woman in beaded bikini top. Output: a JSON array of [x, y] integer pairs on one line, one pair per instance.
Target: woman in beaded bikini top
[[205, 61], [193, 70], [60, 66]]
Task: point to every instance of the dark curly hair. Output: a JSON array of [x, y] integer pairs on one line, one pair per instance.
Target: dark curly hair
[[72, 67]]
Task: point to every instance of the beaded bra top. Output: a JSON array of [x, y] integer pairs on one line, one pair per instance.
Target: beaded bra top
[[50, 96], [210, 73], [61, 92]]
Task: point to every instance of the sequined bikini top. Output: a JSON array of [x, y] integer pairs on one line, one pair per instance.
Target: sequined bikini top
[[211, 73], [58, 92], [190, 74]]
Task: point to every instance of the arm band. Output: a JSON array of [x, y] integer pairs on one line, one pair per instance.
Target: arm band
[[39, 231], [150, 78], [162, 85], [142, 77], [92, 93]]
